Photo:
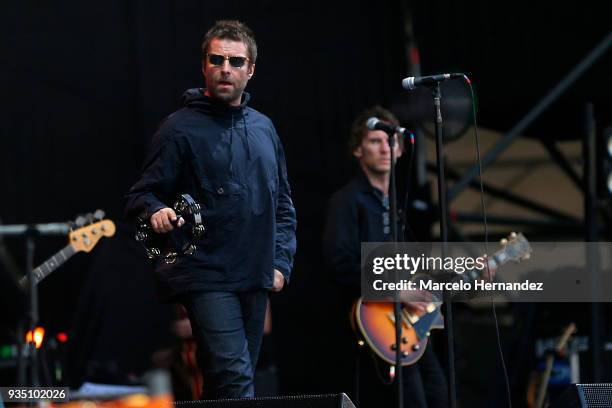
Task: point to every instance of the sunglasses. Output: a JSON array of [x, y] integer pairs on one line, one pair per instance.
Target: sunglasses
[[234, 61]]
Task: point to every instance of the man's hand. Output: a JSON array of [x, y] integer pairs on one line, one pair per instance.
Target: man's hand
[[416, 306], [182, 328], [416, 300], [162, 220], [279, 281], [489, 269]]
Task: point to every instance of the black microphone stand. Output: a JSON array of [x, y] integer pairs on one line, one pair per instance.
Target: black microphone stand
[[34, 316], [443, 208], [397, 306]]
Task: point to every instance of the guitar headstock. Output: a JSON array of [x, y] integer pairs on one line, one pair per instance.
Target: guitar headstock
[[516, 248], [85, 237]]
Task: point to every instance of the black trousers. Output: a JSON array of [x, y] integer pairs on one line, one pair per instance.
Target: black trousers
[[365, 377], [424, 383], [228, 329]]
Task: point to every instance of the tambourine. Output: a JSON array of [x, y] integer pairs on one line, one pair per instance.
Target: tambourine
[[161, 246]]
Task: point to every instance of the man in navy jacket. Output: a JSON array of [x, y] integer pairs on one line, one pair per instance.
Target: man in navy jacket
[[229, 158]]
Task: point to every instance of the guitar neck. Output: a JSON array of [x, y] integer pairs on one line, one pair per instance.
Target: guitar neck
[[51, 264], [493, 262]]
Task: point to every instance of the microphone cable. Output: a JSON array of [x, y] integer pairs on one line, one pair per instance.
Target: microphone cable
[[486, 236]]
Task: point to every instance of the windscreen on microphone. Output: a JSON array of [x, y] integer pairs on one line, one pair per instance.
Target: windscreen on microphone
[[372, 122]]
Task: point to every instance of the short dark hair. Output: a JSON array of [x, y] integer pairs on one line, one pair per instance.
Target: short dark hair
[[232, 30], [359, 129]]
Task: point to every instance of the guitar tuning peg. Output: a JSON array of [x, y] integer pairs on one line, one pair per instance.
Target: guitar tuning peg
[[80, 221], [89, 218], [99, 215]]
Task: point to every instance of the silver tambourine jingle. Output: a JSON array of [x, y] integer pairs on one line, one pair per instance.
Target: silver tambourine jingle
[[184, 238]]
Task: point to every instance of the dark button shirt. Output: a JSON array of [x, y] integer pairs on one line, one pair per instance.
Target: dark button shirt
[[356, 213]]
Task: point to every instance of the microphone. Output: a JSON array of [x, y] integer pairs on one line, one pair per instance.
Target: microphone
[[376, 124], [412, 82]]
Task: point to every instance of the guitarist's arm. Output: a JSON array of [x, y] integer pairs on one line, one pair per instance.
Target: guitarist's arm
[[419, 299], [487, 274], [416, 300]]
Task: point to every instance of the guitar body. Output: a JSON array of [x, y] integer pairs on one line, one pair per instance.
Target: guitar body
[[375, 322]]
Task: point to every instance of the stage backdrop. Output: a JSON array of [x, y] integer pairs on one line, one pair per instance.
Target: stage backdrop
[[85, 84]]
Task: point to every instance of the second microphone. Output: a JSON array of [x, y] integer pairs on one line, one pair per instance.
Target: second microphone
[[376, 124]]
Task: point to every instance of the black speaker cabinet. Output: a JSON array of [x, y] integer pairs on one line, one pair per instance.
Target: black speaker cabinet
[[294, 401], [585, 395]]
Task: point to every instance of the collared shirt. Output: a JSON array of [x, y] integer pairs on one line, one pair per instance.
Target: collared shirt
[[357, 213]]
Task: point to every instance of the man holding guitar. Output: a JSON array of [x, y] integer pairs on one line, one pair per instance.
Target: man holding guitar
[[229, 158], [359, 212]]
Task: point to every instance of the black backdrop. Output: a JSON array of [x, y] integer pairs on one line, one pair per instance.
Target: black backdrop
[[84, 85]]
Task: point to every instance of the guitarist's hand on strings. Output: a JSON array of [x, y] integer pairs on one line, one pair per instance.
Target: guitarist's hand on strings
[[164, 220], [416, 300], [488, 273]]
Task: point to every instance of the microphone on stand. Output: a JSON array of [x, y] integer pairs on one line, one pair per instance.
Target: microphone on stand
[[411, 83], [376, 124]]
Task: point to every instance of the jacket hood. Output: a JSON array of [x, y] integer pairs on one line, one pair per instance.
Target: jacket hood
[[196, 99]]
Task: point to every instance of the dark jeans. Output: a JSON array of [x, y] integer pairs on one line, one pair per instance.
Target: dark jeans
[[228, 329]]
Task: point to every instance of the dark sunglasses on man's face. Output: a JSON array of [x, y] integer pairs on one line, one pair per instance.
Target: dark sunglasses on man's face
[[236, 62]]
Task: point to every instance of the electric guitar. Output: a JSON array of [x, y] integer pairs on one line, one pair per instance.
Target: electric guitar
[[83, 239], [550, 359], [375, 322]]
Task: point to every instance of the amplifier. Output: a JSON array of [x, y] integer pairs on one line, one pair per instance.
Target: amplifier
[[293, 401], [585, 395]]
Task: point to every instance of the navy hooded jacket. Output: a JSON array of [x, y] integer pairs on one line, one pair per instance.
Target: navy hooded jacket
[[231, 161]]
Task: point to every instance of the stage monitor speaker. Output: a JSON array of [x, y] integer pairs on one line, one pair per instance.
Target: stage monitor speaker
[[585, 395], [293, 401]]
